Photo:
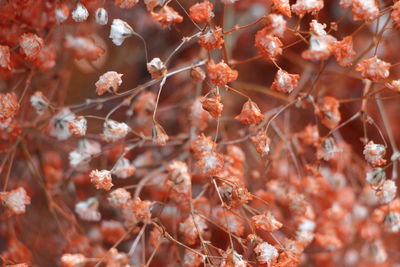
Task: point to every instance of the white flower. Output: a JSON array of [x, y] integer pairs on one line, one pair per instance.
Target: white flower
[[59, 124], [119, 31], [266, 253], [88, 210], [376, 176], [392, 222], [114, 130], [387, 192], [15, 200], [374, 153], [75, 260], [89, 146], [101, 179], [119, 198], [80, 13], [123, 168], [61, 13], [39, 102], [78, 159], [101, 16]]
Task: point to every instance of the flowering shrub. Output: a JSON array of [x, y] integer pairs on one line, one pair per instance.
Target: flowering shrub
[[194, 133]]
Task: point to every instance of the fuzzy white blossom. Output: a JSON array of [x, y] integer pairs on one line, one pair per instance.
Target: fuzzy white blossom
[[39, 102], [101, 16], [266, 253], [88, 210], [80, 13], [120, 30], [114, 130], [123, 168], [387, 192], [15, 200], [59, 124]]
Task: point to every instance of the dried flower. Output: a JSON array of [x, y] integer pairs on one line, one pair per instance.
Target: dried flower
[[262, 143], [276, 25], [84, 47], [80, 13], [61, 13], [156, 68], [114, 130], [374, 153], [78, 126], [212, 39], [213, 105], [266, 253], [123, 168], [283, 7], [9, 106], [307, 6], [108, 82], [269, 46], [387, 192], [250, 113], [202, 12], [221, 74], [192, 227], [88, 210], [126, 3], [328, 111], [59, 124], [373, 69], [101, 16], [343, 51], [167, 16], [15, 200], [5, 61], [120, 30], [101, 179], [159, 136], [31, 44], [39, 102], [365, 10], [285, 82], [73, 260], [119, 198], [266, 222]]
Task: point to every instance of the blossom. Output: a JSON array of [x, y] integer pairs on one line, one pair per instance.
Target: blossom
[[59, 124], [250, 113], [167, 16], [88, 210], [78, 126], [9, 106], [343, 51], [73, 260], [301, 7], [365, 10], [285, 82], [159, 136], [266, 253], [276, 25], [39, 102], [61, 12], [393, 85], [31, 44], [15, 200], [374, 153], [80, 13], [5, 61], [123, 168], [156, 68], [376, 177], [328, 111], [268, 45], [101, 179], [120, 30], [373, 69], [119, 198], [108, 82], [262, 143], [126, 3], [210, 163], [221, 74], [84, 47], [283, 7], [201, 12], [101, 16], [212, 39], [213, 105], [387, 192], [114, 130], [192, 227], [266, 222]]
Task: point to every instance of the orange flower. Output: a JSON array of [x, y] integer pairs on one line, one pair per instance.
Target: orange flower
[[221, 74], [250, 114], [212, 39], [285, 82], [268, 45], [202, 12], [167, 16]]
